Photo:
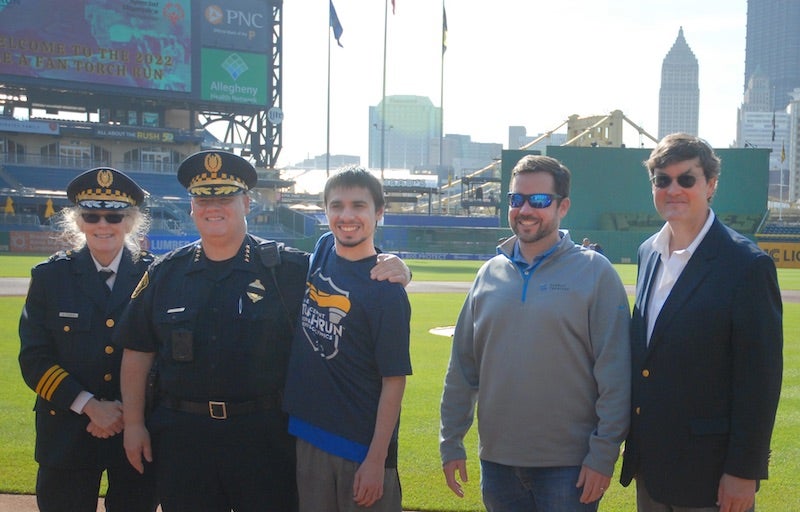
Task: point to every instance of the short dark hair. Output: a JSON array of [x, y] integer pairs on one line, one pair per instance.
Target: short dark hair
[[538, 163], [356, 176], [678, 147]]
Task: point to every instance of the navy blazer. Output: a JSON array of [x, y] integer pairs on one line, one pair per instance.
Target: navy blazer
[[705, 390], [65, 335]]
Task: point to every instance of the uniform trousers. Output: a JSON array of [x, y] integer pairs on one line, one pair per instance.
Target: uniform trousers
[[242, 463], [77, 490]]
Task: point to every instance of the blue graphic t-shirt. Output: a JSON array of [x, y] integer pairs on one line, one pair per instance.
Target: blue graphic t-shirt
[[353, 331]]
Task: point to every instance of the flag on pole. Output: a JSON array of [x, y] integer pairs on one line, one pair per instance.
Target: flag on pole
[[393, 6], [444, 29], [336, 25], [783, 152], [773, 126]]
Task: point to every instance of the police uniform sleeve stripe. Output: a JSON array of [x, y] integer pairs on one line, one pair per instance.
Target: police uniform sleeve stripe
[[55, 382], [47, 375], [50, 381]]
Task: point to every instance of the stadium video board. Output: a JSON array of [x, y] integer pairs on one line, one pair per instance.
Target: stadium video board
[[197, 51]]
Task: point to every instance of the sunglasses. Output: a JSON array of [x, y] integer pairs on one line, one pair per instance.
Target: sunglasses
[[516, 200], [664, 181], [111, 218]]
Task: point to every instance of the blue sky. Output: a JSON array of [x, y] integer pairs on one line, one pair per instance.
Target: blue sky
[[508, 63]]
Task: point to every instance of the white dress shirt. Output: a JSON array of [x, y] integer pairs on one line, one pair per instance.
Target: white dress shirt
[[672, 264]]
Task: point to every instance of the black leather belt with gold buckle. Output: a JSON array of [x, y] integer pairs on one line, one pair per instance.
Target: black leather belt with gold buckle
[[219, 410]]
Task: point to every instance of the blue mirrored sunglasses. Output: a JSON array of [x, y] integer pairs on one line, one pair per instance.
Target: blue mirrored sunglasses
[[516, 200]]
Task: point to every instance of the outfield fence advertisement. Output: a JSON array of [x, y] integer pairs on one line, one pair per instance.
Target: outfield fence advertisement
[[785, 254], [46, 242]]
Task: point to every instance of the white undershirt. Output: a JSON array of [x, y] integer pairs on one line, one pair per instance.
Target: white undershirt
[[113, 266]]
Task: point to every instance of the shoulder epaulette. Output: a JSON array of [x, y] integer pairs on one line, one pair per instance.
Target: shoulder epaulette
[[59, 256], [147, 257], [179, 252], [295, 256]]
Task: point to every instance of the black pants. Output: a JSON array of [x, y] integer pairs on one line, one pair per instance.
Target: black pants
[[243, 463], [76, 490]]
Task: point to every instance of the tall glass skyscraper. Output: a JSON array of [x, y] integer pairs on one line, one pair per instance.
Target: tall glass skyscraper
[[410, 128], [773, 46], [679, 97]]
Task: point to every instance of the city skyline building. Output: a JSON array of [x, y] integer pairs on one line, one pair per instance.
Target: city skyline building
[[518, 137], [772, 47], [319, 162], [463, 156], [758, 126], [771, 103], [411, 123], [412, 141], [679, 95], [790, 156], [758, 93]]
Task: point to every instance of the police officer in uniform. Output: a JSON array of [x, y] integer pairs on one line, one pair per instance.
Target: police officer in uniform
[[75, 299], [216, 319]]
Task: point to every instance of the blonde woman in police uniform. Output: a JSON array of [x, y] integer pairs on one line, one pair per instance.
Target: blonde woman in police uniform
[[67, 358]]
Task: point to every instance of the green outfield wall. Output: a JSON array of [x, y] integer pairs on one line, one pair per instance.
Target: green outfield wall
[[612, 203]]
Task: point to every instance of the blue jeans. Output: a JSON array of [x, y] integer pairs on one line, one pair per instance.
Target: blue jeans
[[517, 489]]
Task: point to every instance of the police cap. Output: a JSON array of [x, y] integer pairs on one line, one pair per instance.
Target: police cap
[[104, 188], [216, 173]]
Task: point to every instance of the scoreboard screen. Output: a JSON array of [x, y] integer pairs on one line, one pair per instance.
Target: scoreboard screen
[[187, 50]]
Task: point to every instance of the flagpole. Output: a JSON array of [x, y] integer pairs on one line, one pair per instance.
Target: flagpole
[[783, 157], [328, 112], [441, 95], [441, 104], [383, 94]]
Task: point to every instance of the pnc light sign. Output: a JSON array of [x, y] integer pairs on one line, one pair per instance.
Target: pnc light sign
[[237, 25], [216, 15]]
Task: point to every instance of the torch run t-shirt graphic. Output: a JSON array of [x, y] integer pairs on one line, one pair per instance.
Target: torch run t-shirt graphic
[[325, 306]]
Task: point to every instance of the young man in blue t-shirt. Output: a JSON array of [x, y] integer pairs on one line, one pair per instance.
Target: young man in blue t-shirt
[[349, 361]]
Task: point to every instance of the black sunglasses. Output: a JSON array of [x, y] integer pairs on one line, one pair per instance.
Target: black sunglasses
[[111, 218], [516, 200], [664, 180]]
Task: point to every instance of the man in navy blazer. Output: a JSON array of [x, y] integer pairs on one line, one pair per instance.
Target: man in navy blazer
[[707, 341]]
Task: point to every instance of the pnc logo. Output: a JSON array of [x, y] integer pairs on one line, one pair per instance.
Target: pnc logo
[[214, 14]]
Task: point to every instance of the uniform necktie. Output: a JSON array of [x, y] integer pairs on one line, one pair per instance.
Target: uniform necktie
[[105, 274]]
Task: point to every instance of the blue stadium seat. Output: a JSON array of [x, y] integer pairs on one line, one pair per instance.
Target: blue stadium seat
[[42, 178], [159, 185]]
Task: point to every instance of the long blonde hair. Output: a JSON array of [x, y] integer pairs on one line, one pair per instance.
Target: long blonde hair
[[70, 234]]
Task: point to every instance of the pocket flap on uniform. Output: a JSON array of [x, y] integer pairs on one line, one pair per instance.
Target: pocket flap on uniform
[[69, 321]]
